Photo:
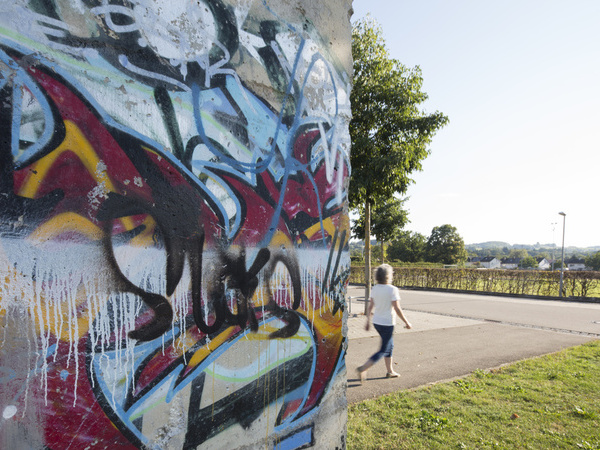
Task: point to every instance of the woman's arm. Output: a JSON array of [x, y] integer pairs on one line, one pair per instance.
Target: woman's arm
[[400, 313]]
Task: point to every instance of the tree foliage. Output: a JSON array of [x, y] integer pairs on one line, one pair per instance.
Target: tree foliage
[[529, 262], [593, 261], [389, 132], [409, 246], [518, 253], [387, 219], [446, 246], [377, 252]]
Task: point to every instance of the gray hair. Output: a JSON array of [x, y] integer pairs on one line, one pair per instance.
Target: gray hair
[[384, 274]]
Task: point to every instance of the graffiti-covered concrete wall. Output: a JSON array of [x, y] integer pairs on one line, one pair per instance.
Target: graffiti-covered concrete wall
[[173, 223]]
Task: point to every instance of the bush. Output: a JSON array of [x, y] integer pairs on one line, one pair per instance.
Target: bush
[[579, 284]]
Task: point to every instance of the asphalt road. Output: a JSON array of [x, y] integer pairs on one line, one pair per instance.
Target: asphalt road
[[569, 316], [455, 334]]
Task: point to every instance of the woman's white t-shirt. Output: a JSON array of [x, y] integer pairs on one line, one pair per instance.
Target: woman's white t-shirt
[[383, 295]]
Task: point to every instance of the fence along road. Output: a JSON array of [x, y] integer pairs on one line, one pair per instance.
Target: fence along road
[[456, 334]]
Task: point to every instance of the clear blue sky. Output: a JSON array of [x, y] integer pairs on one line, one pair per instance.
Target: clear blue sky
[[520, 82]]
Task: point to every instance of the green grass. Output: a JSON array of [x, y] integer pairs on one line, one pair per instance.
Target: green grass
[[547, 402]]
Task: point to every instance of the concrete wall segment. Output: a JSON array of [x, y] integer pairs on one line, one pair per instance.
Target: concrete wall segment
[[173, 223]]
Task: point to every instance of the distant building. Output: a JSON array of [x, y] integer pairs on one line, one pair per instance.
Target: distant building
[[486, 262], [543, 263], [510, 263], [474, 261], [575, 263], [490, 262]]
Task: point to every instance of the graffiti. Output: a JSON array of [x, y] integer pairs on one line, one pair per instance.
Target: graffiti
[[173, 227]]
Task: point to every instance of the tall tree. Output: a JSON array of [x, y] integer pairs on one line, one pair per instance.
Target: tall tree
[[593, 261], [446, 246], [408, 246], [519, 253], [390, 133], [388, 219], [529, 262]]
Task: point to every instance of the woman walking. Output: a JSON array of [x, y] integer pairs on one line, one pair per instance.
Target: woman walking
[[384, 301]]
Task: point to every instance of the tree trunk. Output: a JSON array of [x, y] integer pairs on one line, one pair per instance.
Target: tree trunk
[[367, 253], [382, 251]]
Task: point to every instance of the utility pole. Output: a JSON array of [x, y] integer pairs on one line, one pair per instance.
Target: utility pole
[[562, 258]]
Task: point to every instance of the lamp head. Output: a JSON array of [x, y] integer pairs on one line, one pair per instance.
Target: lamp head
[[562, 213]]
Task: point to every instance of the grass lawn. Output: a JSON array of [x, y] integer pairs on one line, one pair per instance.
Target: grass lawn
[[547, 402]]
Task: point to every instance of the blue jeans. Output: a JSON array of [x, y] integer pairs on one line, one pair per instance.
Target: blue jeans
[[387, 342]]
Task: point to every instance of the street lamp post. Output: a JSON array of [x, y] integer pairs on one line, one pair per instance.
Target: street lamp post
[[562, 258], [553, 243]]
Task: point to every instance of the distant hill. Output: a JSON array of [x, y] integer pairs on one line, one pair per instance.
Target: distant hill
[[493, 246], [489, 244]]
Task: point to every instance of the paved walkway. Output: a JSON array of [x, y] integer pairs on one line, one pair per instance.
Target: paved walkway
[[442, 346]]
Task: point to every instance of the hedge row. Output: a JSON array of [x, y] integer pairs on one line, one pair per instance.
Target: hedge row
[[518, 282]]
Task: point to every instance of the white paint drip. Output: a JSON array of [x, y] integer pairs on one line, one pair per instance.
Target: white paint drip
[[68, 287]]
